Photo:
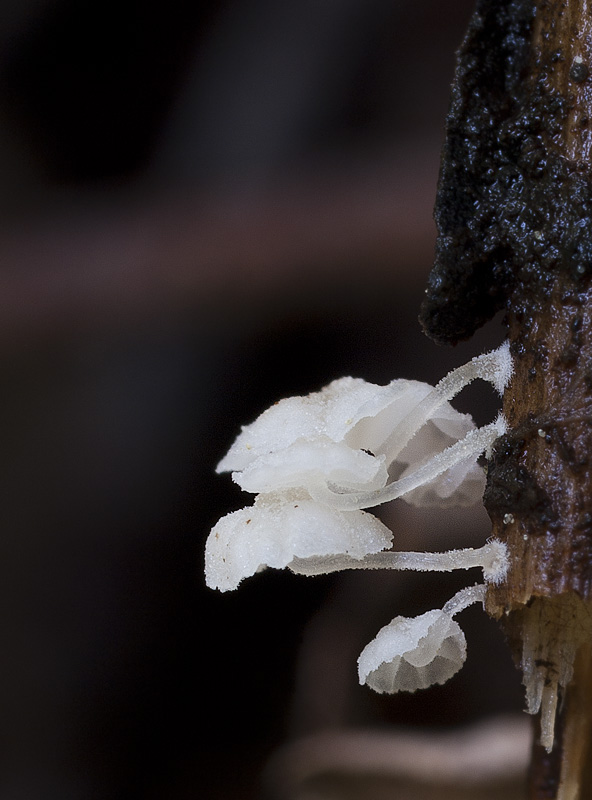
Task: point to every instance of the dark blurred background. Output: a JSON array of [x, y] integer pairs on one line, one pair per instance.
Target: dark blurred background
[[204, 207]]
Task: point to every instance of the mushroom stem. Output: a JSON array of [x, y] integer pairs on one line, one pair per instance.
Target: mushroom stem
[[465, 598], [491, 557], [470, 447], [495, 367]]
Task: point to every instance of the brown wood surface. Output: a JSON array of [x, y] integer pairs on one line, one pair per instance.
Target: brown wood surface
[[540, 485]]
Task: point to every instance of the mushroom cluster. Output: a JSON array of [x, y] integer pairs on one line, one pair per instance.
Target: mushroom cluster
[[315, 462]]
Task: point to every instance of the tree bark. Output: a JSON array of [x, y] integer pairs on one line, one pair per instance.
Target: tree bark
[[514, 215]]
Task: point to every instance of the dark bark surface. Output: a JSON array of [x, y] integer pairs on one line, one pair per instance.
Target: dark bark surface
[[514, 202], [514, 217], [514, 213]]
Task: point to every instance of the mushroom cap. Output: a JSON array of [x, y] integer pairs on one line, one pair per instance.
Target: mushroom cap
[[413, 653], [336, 436], [308, 463], [283, 526], [334, 412]]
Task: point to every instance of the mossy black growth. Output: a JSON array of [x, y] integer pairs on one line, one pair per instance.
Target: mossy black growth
[[473, 269], [579, 72], [512, 488], [511, 211]]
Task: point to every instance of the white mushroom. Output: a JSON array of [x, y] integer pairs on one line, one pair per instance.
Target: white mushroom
[[281, 527], [360, 439], [413, 653]]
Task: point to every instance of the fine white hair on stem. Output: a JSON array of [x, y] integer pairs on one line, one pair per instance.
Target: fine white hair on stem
[[492, 558], [465, 598], [476, 441], [496, 367]]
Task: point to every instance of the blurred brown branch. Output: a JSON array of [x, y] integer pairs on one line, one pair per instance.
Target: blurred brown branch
[[94, 263], [488, 759]]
